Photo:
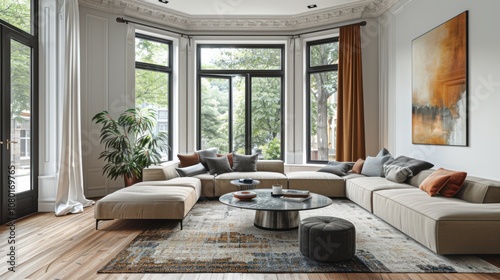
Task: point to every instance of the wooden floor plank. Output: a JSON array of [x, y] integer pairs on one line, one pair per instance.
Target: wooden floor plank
[[69, 247]]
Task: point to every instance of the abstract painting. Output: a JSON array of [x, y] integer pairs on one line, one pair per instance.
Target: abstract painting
[[440, 84]]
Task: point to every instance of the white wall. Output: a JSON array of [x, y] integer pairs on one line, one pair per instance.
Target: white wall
[[480, 157]]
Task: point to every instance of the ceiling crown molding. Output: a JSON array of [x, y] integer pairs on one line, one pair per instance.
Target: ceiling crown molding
[[152, 13]]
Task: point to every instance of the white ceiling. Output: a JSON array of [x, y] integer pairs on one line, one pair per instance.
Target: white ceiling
[[271, 16], [249, 7]]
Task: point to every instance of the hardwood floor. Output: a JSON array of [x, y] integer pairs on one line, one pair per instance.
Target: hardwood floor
[[69, 247]]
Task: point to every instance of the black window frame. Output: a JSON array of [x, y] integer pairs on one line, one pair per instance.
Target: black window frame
[[168, 69], [311, 70], [248, 74]]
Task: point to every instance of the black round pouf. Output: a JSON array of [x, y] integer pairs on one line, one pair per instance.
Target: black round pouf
[[327, 239]]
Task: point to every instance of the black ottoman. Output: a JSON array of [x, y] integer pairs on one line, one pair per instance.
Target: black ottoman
[[327, 239]]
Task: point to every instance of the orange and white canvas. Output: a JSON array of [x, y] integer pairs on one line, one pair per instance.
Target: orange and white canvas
[[439, 84]]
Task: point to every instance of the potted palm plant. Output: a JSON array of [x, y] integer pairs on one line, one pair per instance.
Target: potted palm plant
[[130, 143]]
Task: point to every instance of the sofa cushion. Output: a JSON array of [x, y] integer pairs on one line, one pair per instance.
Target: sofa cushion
[[229, 158], [401, 168], [171, 199], [271, 166], [453, 185], [415, 165], [245, 163], [358, 166], [383, 152], [191, 170], [360, 189], [337, 168], [435, 221], [218, 165], [434, 183], [374, 166], [188, 160], [479, 190], [203, 154], [324, 183], [396, 173]]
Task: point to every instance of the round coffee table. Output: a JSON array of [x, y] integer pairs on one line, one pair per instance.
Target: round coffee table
[[274, 213]]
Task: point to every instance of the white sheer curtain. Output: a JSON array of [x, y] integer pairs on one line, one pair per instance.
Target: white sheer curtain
[[70, 197]]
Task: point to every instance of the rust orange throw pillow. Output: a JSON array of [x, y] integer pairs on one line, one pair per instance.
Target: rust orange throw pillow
[[456, 181], [358, 166], [434, 183], [188, 160]]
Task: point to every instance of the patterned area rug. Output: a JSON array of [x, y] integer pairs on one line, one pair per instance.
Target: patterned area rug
[[217, 238]]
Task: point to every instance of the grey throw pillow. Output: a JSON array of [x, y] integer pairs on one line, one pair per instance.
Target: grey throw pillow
[[245, 163], [203, 154], [396, 173], [337, 168], [218, 165], [374, 166], [191, 170], [383, 152], [415, 165]]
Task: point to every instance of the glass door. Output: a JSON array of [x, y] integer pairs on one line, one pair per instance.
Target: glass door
[[19, 194]]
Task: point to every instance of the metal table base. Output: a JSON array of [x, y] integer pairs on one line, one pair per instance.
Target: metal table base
[[277, 220]]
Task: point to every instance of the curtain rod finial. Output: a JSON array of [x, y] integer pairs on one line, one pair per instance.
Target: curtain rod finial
[[120, 19]]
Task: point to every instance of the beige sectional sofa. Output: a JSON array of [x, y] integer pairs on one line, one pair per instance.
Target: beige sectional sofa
[[468, 223]]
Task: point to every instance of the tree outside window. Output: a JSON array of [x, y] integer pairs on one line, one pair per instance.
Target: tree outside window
[[322, 67], [241, 93], [153, 72]]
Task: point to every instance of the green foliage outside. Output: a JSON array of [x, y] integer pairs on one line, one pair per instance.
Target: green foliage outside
[[323, 101], [151, 87], [17, 13], [265, 101]]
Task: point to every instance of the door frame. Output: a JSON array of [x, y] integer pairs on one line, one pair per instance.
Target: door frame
[[17, 205]]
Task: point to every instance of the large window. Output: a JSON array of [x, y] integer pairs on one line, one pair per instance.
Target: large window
[[321, 68], [153, 80], [240, 91]]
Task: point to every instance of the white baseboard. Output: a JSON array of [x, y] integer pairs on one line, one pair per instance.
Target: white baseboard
[[46, 206]]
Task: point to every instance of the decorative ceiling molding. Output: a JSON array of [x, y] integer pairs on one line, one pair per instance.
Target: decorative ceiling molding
[[362, 9]]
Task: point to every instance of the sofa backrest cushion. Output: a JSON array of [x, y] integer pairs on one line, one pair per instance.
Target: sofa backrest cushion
[[479, 190], [245, 163], [271, 166], [474, 189], [419, 178], [163, 171]]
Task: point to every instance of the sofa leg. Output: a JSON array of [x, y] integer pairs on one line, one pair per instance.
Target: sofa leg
[[181, 223], [97, 222]]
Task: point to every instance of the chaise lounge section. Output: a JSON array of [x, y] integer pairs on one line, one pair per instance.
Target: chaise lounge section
[[166, 199]]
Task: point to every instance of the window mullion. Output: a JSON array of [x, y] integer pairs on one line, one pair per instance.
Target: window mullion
[[248, 115]]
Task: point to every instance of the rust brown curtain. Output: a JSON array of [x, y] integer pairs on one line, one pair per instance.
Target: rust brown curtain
[[350, 110]]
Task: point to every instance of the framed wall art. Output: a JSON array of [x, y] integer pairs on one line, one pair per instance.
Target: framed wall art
[[440, 84]]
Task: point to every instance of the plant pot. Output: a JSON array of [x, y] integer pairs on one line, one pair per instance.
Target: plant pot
[[129, 181]]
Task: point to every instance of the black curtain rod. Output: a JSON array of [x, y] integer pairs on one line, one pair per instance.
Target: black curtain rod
[[126, 21]]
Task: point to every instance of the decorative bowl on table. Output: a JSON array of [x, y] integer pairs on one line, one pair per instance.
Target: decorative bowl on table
[[245, 195]]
